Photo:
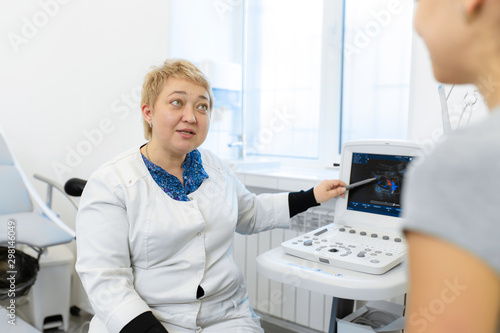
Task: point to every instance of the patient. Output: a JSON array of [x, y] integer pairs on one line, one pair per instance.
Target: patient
[[454, 247], [156, 223]]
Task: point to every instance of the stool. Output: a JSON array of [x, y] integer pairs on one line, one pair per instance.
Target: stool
[[49, 298]]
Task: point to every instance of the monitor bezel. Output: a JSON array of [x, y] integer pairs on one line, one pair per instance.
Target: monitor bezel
[[373, 221]]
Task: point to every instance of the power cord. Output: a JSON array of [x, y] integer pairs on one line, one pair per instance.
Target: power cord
[[375, 318], [84, 327]]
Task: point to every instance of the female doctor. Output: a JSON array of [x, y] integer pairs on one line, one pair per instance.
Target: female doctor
[[156, 223]]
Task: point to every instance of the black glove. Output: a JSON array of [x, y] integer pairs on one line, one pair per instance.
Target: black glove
[[144, 323]]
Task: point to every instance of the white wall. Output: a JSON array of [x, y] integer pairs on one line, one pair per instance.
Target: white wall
[[424, 113], [70, 80], [424, 118], [71, 73]]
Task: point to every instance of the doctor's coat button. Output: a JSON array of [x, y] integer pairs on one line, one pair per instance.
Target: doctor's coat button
[[198, 234], [130, 181]]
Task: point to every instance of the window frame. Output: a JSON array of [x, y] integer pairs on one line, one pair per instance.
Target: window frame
[[232, 16], [330, 94]]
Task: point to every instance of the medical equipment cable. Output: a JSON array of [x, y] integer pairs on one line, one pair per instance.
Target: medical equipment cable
[[375, 318], [449, 93], [82, 326], [468, 104]]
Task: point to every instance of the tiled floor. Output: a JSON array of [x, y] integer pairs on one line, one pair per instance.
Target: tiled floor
[[270, 328]]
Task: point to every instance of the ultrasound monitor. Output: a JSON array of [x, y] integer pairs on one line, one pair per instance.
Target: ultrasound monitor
[[383, 195], [378, 203]]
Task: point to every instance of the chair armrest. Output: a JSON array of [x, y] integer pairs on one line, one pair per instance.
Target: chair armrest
[[52, 184], [75, 186]]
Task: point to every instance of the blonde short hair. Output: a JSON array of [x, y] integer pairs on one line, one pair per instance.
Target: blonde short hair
[[158, 76]]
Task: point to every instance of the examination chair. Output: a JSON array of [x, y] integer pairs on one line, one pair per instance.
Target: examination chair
[[74, 187], [28, 223]]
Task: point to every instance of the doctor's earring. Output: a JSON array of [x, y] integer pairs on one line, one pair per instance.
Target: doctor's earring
[[150, 124]]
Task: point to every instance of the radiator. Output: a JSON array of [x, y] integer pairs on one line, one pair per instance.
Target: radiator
[[282, 301]]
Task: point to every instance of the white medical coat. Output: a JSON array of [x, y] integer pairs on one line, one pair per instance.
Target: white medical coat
[[140, 250]]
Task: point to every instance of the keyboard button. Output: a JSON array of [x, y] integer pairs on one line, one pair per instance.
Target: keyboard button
[[374, 261], [352, 231], [342, 229], [361, 254], [374, 235], [308, 243], [385, 237], [363, 233], [321, 232], [397, 240]]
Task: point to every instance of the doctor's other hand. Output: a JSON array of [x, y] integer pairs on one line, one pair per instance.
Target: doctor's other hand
[[329, 189]]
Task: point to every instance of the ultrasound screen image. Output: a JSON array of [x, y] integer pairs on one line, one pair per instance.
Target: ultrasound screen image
[[383, 195]]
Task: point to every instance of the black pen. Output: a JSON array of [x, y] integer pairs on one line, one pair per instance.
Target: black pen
[[363, 182]]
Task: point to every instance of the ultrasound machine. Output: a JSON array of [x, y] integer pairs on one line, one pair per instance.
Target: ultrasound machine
[[365, 235]]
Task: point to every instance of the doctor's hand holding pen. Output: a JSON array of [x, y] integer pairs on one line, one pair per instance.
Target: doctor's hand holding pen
[[329, 189]]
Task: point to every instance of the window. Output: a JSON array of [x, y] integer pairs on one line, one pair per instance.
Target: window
[[283, 44], [377, 60], [294, 79], [210, 34]]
